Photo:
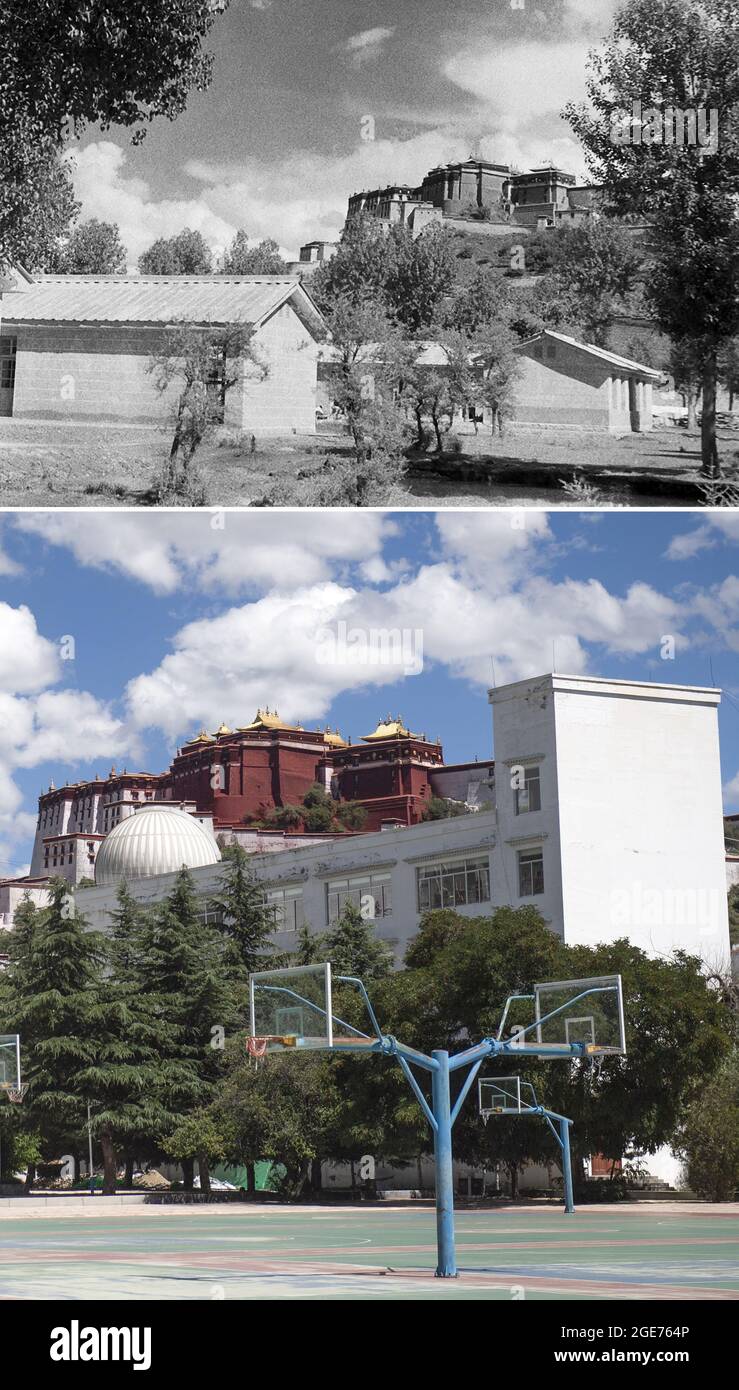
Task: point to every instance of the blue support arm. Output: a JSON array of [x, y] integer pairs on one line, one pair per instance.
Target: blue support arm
[[461, 1098], [420, 1097]]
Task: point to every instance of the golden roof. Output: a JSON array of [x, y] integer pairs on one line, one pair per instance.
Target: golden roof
[[202, 737], [389, 728], [224, 729], [334, 738], [266, 719]]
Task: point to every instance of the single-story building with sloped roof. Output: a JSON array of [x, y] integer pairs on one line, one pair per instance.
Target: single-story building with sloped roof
[[78, 347], [565, 382]]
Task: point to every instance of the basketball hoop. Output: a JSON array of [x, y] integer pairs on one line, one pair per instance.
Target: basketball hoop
[[16, 1093], [257, 1047]]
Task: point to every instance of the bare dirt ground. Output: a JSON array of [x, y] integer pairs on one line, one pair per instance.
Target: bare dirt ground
[[44, 464]]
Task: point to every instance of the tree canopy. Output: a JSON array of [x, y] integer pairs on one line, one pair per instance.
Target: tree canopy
[[681, 55], [187, 253], [72, 63]]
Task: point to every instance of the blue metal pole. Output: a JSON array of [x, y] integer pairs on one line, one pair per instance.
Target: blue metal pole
[[564, 1136], [441, 1104]]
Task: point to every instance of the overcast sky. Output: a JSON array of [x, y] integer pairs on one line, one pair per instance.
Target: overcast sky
[[276, 144], [187, 619]]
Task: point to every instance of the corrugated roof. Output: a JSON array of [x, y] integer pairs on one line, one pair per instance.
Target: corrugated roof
[[217, 299], [605, 356]]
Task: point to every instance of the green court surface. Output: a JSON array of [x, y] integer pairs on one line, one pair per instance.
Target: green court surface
[[647, 1252]]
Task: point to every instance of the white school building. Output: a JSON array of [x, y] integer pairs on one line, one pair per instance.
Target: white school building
[[607, 818]]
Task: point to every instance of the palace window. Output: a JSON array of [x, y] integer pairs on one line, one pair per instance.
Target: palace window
[[528, 797], [287, 906], [372, 894], [530, 873], [453, 883]]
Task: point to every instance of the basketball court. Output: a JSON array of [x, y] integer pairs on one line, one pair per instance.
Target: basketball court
[[72, 1248], [649, 1252]]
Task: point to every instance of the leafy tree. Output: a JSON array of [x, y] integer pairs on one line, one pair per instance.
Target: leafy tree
[[678, 1030], [686, 56], [37, 208], [81, 62], [371, 360], [318, 814], [594, 270], [93, 248], [357, 273], [351, 814], [684, 365], [181, 967], [421, 273], [438, 392], [126, 921], [285, 817], [317, 819], [442, 808], [204, 365], [460, 972], [54, 981], [734, 914], [728, 368], [242, 259], [498, 367], [197, 1136], [353, 947], [283, 1111], [709, 1135], [476, 303], [246, 921], [309, 947], [187, 253]]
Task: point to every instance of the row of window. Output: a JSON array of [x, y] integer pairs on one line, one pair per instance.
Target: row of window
[[458, 883]]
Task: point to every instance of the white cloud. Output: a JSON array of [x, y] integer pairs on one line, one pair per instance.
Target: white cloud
[[107, 191], [218, 549], [28, 661], [482, 598], [39, 724], [715, 526], [369, 45]]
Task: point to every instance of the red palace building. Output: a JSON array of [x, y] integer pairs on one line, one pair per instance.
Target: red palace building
[[233, 778]]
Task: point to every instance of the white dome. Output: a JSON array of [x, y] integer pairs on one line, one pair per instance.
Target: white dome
[[158, 839]]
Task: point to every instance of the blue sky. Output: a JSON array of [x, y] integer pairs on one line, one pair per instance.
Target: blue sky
[[184, 619], [275, 144]]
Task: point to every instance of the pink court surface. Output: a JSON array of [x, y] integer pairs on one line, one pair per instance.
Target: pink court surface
[[89, 1248]]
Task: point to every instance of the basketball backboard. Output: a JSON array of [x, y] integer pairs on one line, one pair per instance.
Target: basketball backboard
[[294, 1008], [499, 1095], [589, 1011], [10, 1061]]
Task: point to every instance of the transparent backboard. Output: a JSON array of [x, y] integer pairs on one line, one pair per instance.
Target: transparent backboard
[[294, 1007], [499, 1095], [589, 1011], [10, 1062]]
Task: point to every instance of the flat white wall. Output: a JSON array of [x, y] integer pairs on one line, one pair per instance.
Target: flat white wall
[[640, 816], [398, 852]]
